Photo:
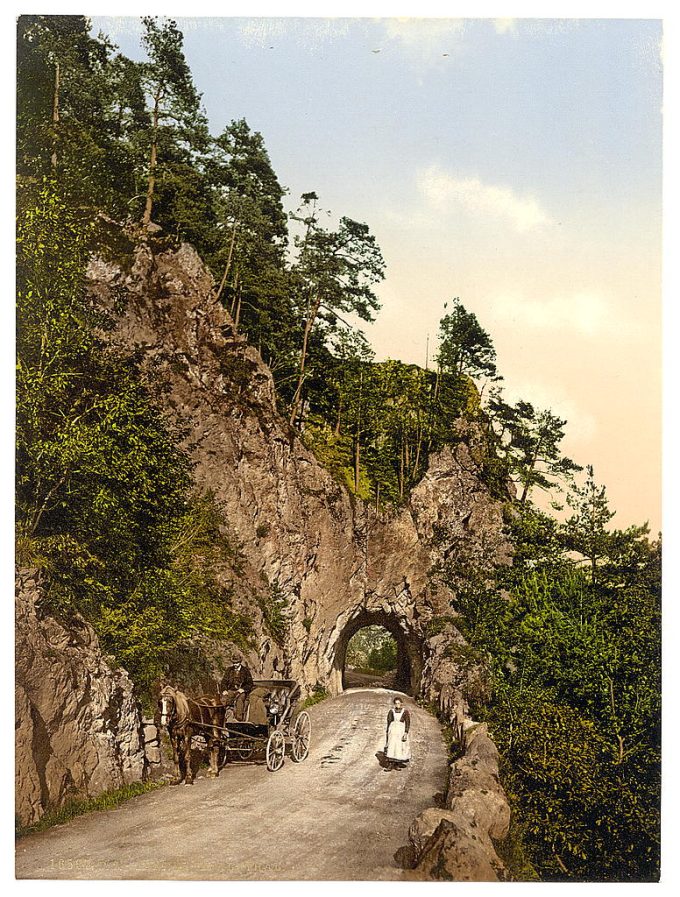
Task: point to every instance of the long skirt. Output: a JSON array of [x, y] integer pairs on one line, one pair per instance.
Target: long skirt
[[396, 748]]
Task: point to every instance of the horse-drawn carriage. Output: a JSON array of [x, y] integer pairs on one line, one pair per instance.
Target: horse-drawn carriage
[[278, 728]]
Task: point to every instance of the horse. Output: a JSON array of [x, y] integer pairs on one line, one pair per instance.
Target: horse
[[185, 717]]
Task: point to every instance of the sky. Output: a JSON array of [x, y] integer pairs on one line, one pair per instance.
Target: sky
[[513, 163]]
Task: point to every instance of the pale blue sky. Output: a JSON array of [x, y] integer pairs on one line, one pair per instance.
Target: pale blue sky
[[513, 163]]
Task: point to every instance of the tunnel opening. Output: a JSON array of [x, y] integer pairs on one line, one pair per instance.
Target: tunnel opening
[[371, 659], [402, 649]]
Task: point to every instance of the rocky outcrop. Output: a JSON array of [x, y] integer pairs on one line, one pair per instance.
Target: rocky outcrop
[[336, 564], [78, 724], [333, 563], [454, 842]]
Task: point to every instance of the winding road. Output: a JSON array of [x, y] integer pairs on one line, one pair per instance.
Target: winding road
[[337, 816]]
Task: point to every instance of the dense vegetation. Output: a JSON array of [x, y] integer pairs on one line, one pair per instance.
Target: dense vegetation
[[571, 635], [372, 649], [105, 500]]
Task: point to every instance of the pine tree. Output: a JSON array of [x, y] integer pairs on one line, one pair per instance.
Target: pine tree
[[337, 271], [178, 128]]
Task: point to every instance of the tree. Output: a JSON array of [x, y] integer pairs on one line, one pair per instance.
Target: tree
[[337, 271], [530, 440], [176, 117], [465, 348], [104, 501], [77, 108], [249, 261], [586, 530], [575, 675]]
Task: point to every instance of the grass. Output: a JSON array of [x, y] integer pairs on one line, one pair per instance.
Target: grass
[[109, 800], [318, 694]]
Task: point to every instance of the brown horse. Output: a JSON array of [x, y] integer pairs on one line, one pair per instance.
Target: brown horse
[[185, 717]]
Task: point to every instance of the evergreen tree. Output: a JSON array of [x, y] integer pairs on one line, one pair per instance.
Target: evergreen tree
[[75, 111], [249, 262], [178, 129], [465, 348], [586, 530], [337, 271]]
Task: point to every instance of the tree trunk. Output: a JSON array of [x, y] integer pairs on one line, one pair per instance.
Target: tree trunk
[[146, 219], [238, 308], [528, 483], [309, 324], [229, 258], [234, 297], [55, 116], [357, 449], [401, 469], [418, 446]]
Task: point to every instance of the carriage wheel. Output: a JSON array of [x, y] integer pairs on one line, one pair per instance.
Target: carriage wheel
[[301, 737], [276, 750], [245, 752]]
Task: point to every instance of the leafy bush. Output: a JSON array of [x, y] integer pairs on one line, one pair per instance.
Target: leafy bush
[[574, 655], [104, 500]]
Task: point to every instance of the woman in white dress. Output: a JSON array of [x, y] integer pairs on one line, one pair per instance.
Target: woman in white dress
[[397, 742]]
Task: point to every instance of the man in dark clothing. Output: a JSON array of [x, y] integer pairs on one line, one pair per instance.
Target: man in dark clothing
[[236, 687]]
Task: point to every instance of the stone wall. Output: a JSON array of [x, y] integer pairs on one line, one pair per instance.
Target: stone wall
[[454, 842], [78, 724]]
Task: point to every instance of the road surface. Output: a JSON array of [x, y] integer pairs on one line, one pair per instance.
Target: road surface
[[338, 815]]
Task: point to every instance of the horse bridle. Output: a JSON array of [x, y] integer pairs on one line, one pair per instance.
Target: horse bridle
[[168, 709]]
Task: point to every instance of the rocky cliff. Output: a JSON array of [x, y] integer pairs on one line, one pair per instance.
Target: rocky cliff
[[78, 723], [335, 564]]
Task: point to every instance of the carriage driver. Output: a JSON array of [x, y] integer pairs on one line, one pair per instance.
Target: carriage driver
[[236, 687]]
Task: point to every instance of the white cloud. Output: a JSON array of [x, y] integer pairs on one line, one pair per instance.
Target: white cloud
[[587, 314], [442, 189], [310, 33], [418, 32], [425, 42], [505, 26]]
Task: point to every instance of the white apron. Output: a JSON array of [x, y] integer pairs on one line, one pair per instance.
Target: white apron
[[396, 748]]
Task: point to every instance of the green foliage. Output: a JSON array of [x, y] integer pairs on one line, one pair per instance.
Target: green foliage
[[465, 348], [177, 131], [274, 606], [575, 666], [529, 440], [318, 694], [439, 624], [372, 648], [103, 493], [109, 800], [78, 110]]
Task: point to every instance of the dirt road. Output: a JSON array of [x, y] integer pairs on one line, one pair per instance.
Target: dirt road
[[339, 815]]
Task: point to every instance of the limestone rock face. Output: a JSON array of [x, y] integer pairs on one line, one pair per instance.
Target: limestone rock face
[[336, 563], [78, 724]]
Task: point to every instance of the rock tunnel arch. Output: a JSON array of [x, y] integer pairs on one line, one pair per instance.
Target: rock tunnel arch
[[409, 649]]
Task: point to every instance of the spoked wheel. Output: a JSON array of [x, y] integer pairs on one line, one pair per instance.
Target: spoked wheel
[[276, 750], [302, 735], [244, 751]]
